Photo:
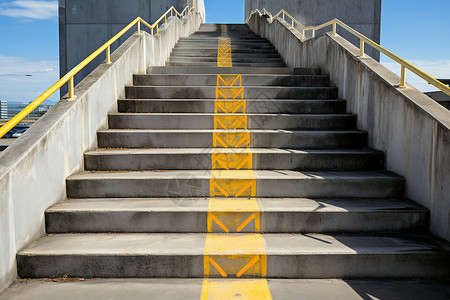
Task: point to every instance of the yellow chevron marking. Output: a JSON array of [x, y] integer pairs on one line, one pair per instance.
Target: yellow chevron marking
[[249, 289], [229, 80], [230, 93], [227, 161], [224, 53], [232, 183], [231, 139], [233, 215], [230, 121], [252, 262], [230, 106]]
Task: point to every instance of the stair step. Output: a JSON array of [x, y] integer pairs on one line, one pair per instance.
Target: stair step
[[249, 59], [248, 92], [196, 183], [286, 255], [246, 80], [202, 138], [190, 215], [217, 70], [236, 64], [262, 159], [182, 289], [252, 121], [253, 106]]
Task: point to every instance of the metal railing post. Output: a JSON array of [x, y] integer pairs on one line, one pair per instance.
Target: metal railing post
[[334, 28], [403, 78], [361, 48], [157, 28], [108, 55], [165, 19], [139, 27], [71, 91]]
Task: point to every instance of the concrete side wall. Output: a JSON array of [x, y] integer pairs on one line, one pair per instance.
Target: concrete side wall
[[86, 25], [362, 15], [34, 168], [411, 128]]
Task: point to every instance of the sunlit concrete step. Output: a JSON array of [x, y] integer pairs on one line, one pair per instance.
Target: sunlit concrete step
[[249, 59], [203, 138], [249, 92], [288, 106], [212, 55], [210, 121], [236, 64], [232, 47], [216, 70], [262, 159], [197, 183], [249, 38], [246, 80], [283, 215], [182, 255], [213, 52], [182, 289]]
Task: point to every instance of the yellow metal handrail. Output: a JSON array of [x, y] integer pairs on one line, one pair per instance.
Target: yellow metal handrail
[[282, 14], [69, 76]]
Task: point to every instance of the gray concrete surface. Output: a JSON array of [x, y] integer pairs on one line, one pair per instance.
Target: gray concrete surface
[[279, 215], [412, 129], [362, 15], [441, 98], [86, 25], [253, 106], [182, 255], [182, 289], [53, 148], [196, 183], [197, 138], [263, 159]]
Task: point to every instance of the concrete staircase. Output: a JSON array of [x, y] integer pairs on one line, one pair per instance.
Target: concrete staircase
[[157, 197]]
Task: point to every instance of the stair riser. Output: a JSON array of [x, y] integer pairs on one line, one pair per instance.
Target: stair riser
[[212, 54], [305, 140], [313, 188], [189, 60], [214, 46], [279, 266], [235, 64], [254, 122], [247, 80], [217, 70], [196, 222], [164, 92], [276, 106], [310, 162]]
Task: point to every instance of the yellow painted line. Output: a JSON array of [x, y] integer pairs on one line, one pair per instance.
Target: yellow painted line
[[237, 160], [233, 215], [248, 289], [241, 255], [230, 121], [231, 139], [230, 106], [224, 53], [228, 255], [229, 80]]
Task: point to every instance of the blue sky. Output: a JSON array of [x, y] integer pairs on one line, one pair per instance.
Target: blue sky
[[415, 30]]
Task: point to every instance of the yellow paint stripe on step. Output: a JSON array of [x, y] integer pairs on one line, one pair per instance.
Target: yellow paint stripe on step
[[248, 289], [235, 256], [234, 215]]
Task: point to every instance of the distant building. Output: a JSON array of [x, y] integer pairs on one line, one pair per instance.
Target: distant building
[[15, 107], [3, 109]]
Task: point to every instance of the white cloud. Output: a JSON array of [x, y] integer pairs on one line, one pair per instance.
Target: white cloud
[[15, 86], [30, 9], [438, 69]]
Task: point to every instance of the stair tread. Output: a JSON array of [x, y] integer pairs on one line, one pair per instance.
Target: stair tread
[[194, 244], [266, 205], [238, 174], [208, 151]]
